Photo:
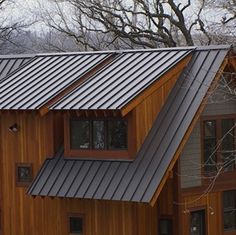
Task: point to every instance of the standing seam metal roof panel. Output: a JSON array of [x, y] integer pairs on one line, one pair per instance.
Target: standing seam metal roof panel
[[44, 77], [8, 64], [115, 86], [138, 180]]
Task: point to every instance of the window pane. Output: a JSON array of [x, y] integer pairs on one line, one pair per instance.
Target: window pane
[[24, 173], [98, 134], [165, 227], [117, 134], [76, 225], [229, 200], [230, 220], [209, 146], [197, 226], [229, 203], [210, 129], [228, 143], [79, 134], [210, 155]]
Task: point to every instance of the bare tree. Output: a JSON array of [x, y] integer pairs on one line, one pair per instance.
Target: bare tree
[[10, 28], [106, 24], [221, 22]]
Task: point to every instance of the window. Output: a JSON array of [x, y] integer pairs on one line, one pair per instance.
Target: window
[[219, 144], [165, 227], [23, 174], [98, 134], [76, 224], [197, 222], [229, 206]]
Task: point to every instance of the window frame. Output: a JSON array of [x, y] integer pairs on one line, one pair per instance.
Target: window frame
[[218, 119], [23, 183], [227, 210], [125, 154], [169, 219], [76, 215]]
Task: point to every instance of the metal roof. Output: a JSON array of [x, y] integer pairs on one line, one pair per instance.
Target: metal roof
[[8, 64], [136, 181], [122, 80], [44, 77]]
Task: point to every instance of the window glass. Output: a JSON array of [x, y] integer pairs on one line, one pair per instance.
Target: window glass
[[98, 135], [76, 225], [117, 134], [227, 149], [79, 134], [209, 146], [23, 174], [229, 204], [210, 129], [165, 227]]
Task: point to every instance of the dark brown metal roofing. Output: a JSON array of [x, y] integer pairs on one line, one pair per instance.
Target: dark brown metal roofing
[[8, 64], [44, 77], [136, 181], [122, 80]]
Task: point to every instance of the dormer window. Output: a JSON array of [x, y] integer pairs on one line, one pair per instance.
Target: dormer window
[[108, 134], [111, 137]]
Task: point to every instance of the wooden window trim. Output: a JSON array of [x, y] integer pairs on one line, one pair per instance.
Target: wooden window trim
[[77, 215], [103, 154], [20, 183]]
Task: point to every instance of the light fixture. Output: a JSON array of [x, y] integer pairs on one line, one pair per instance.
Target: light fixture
[[211, 210], [13, 128]]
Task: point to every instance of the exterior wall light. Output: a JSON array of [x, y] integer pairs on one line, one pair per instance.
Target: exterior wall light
[[13, 128]]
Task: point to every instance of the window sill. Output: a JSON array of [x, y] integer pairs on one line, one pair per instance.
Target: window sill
[[99, 154]]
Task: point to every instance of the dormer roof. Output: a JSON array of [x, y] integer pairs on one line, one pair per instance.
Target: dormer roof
[[85, 81]]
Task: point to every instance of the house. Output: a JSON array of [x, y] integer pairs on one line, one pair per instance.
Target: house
[[119, 142]]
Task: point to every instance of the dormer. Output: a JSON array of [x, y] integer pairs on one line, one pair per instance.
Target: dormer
[[108, 115]]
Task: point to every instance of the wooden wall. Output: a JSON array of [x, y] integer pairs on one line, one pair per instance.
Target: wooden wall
[[212, 203], [39, 137], [25, 215], [147, 110]]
